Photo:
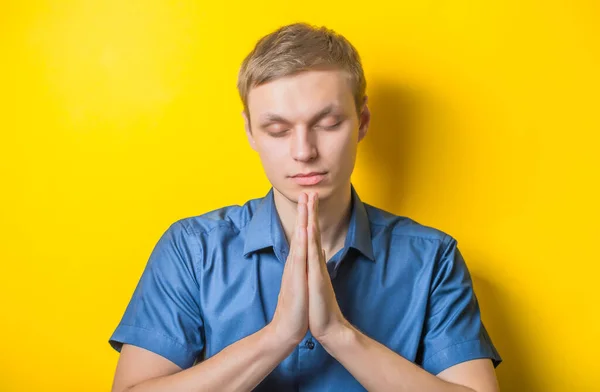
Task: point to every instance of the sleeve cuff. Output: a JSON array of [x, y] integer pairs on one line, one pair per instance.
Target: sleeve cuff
[[461, 352], [156, 342]]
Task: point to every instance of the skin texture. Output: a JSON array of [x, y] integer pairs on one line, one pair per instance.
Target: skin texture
[[290, 137], [303, 123]]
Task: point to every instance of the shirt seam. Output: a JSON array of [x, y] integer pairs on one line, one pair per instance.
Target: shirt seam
[[410, 235], [439, 261], [195, 265], [208, 231], [172, 339], [449, 347]]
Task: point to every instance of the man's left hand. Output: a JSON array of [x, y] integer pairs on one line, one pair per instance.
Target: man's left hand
[[325, 319]]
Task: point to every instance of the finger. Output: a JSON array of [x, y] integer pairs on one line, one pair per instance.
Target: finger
[[324, 262], [302, 212], [318, 227], [299, 222], [314, 219], [300, 247], [323, 259], [314, 251]]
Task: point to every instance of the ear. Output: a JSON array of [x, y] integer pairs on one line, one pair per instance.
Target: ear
[[248, 130], [364, 121]]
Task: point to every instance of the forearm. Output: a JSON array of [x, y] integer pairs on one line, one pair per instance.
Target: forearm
[[380, 369], [239, 367]]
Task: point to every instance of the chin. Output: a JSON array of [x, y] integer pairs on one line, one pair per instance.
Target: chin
[[291, 191], [324, 190]]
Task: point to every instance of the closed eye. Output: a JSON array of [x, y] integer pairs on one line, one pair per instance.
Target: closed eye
[[331, 127], [278, 133]]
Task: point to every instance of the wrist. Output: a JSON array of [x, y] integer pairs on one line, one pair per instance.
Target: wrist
[[275, 340], [341, 335]]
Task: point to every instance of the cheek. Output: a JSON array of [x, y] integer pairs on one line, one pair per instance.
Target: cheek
[[273, 154], [337, 147]]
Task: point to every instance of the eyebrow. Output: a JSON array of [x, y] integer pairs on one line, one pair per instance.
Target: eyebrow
[[272, 117]]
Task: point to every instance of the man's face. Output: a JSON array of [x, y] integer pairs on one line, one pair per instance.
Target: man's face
[[306, 123]]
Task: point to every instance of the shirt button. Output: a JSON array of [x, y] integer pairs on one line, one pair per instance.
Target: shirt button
[[310, 344]]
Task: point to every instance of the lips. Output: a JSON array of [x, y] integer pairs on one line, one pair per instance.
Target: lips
[[308, 178], [308, 174]]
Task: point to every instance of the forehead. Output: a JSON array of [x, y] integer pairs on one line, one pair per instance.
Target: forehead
[[302, 94]]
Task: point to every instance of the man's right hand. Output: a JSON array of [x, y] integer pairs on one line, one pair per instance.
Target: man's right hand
[[242, 365], [290, 321]]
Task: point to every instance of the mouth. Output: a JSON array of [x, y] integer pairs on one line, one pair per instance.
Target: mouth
[[309, 178]]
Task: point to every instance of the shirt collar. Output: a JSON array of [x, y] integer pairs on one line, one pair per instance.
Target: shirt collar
[[265, 229]]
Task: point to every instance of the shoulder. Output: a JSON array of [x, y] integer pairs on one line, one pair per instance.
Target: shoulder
[[398, 227], [231, 218], [424, 246]]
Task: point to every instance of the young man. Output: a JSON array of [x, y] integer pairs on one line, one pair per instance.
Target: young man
[[308, 288]]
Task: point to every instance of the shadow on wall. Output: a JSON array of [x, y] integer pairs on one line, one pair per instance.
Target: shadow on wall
[[401, 119], [516, 372], [388, 144]]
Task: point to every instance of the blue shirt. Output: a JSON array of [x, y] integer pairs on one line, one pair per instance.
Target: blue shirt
[[214, 279]]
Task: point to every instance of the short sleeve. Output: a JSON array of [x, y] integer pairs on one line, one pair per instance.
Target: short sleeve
[[454, 332], [163, 314]]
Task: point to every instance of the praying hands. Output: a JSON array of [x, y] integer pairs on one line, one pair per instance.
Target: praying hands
[[306, 299]]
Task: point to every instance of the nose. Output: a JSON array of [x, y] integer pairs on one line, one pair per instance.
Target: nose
[[303, 147]]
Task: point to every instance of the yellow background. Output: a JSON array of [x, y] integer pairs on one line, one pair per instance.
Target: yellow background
[[120, 117]]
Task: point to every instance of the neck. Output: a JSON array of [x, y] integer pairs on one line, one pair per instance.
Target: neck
[[334, 217]]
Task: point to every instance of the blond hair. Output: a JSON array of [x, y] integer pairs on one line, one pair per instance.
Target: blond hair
[[300, 47]]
